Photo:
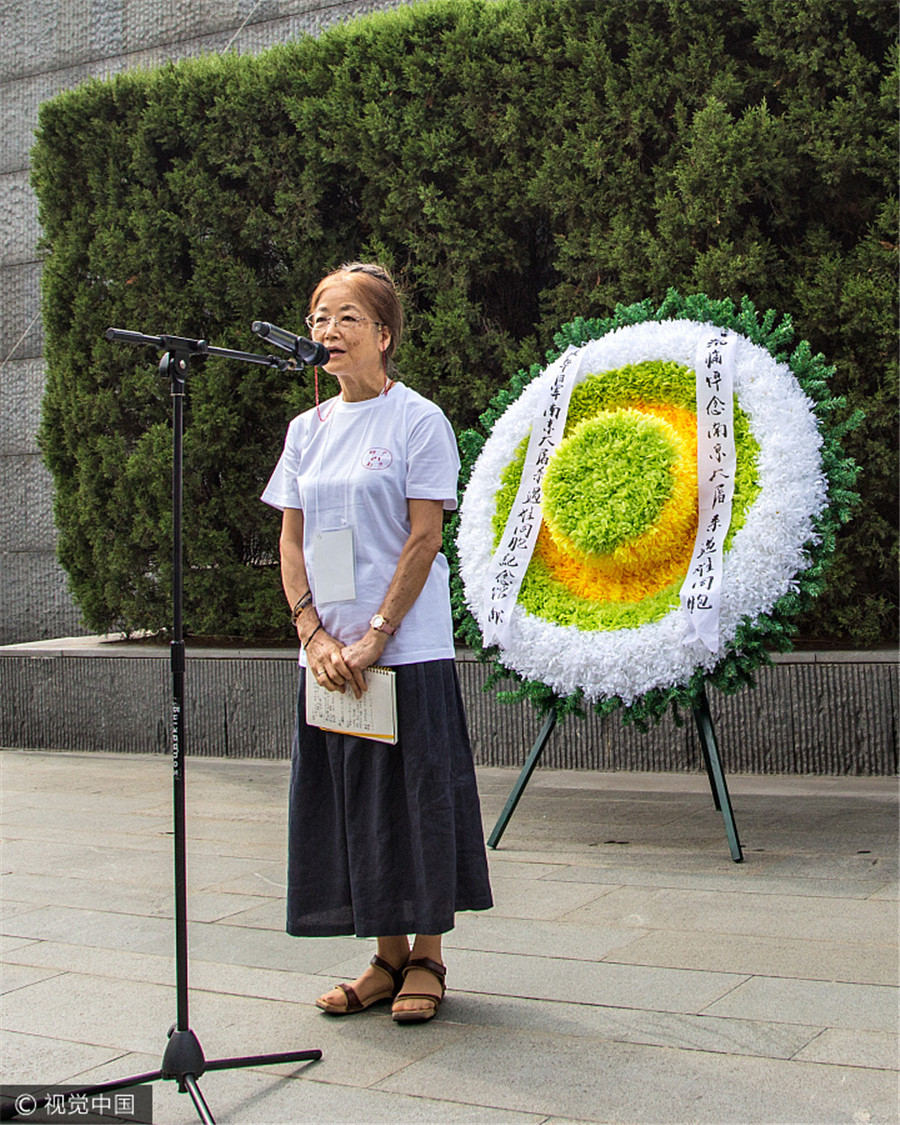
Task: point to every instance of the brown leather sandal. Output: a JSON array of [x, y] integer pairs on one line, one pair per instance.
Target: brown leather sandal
[[419, 1015], [354, 1004]]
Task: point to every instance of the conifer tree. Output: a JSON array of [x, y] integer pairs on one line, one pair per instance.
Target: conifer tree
[[517, 163]]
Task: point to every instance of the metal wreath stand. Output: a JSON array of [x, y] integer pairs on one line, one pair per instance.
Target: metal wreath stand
[[711, 760]]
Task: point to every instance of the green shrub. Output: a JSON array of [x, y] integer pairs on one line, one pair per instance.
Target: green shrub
[[518, 163]]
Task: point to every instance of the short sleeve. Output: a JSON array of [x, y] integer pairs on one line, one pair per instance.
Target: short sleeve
[[282, 491], [432, 460]]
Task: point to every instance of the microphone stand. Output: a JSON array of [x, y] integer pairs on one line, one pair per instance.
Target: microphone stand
[[183, 1059]]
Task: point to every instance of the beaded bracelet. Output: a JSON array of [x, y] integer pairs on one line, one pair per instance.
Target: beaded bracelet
[[301, 603]]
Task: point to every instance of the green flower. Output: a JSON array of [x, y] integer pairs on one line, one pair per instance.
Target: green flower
[[624, 457]]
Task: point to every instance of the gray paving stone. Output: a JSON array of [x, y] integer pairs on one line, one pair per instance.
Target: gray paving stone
[[504, 867], [355, 1053], [264, 984], [878, 1049], [884, 866], [215, 976], [9, 908], [660, 1029], [595, 1080], [82, 859], [256, 877], [76, 826], [487, 932], [541, 900], [237, 873], [695, 994], [866, 1007], [19, 976], [267, 949], [263, 914], [295, 1096], [41, 1058], [158, 968], [742, 877], [9, 945], [88, 894], [108, 1013], [863, 963], [548, 978], [233, 909], [103, 929], [712, 861], [736, 913], [124, 1065]]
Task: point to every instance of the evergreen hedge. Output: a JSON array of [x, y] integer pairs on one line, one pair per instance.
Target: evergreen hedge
[[517, 163]]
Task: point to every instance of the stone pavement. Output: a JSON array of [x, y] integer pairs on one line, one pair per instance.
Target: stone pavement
[[629, 972]]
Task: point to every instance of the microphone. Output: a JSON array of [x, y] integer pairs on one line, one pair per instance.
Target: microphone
[[307, 351]]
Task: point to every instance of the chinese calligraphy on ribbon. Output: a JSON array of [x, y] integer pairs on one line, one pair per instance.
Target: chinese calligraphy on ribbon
[[511, 559], [716, 461]]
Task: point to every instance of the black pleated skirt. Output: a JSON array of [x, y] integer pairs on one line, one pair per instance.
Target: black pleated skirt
[[387, 839]]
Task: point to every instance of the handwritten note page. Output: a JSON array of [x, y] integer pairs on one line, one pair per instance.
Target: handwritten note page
[[373, 716]]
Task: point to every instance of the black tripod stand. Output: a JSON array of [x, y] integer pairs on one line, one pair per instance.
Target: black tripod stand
[[183, 1059]]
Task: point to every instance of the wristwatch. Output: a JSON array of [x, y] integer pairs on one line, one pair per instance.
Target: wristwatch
[[380, 623]]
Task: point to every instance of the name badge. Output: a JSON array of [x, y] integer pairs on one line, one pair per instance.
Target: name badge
[[334, 566]]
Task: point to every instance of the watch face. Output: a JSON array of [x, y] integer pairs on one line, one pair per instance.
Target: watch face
[[377, 621]]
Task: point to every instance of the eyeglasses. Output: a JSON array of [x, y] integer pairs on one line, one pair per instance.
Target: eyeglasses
[[318, 323]]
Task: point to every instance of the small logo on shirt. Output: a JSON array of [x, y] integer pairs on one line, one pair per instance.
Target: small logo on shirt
[[377, 459]]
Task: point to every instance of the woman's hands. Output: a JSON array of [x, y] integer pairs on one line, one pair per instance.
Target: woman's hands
[[334, 665], [330, 663]]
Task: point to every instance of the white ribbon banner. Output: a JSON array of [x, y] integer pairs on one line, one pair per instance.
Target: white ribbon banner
[[511, 559], [701, 591]]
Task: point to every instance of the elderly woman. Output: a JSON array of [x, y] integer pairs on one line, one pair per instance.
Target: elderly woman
[[385, 840]]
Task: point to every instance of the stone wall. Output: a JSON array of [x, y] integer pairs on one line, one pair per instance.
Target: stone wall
[[811, 713], [47, 46]]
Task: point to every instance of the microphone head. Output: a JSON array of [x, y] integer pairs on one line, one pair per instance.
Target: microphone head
[[313, 353], [309, 352]]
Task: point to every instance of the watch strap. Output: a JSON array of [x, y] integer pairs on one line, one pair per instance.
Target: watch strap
[[380, 623]]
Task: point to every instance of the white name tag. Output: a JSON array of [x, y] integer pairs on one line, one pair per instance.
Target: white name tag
[[334, 566]]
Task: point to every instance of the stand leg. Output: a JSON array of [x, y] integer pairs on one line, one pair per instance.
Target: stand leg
[[264, 1060], [707, 762], [519, 787], [711, 760], [184, 1051], [190, 1084], [707, 733]]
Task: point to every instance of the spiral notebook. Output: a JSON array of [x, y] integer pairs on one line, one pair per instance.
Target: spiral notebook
[[373, 716]]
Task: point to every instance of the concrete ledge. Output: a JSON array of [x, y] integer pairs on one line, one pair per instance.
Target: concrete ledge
[[812, 713]]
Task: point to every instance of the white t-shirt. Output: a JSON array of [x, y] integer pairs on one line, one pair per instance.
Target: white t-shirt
[[357, 469]]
